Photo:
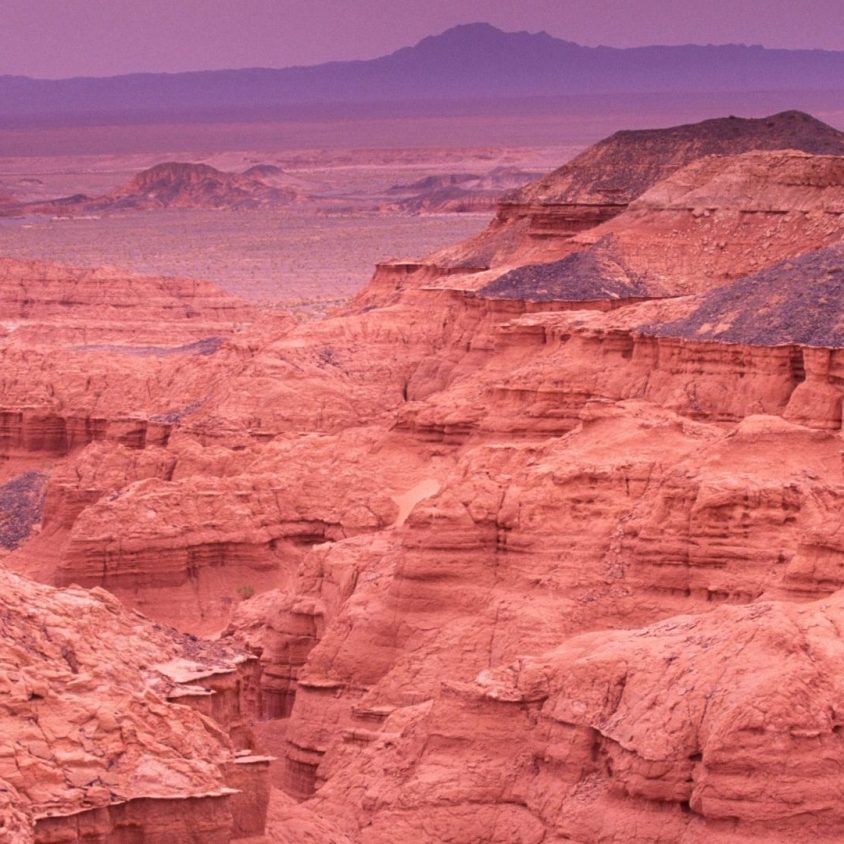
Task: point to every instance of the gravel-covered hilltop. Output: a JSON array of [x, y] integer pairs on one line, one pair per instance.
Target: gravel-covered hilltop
[[589, 276], [797, 302], [719, 218], [622, 167], [537, 222]]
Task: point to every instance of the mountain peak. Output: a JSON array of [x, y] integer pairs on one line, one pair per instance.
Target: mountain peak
[[474, 27], [483, 35], [465, 31]]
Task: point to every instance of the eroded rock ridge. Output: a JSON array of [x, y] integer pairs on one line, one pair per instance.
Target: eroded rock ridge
[[536, 544]]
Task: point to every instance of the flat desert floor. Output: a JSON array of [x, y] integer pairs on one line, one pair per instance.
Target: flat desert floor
[[321, 249], [267, 257]]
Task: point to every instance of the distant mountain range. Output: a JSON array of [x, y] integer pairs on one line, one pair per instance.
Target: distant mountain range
[[472, 62]]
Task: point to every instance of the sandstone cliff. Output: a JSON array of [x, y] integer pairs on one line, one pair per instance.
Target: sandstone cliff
[[688, 468], [549, 551]]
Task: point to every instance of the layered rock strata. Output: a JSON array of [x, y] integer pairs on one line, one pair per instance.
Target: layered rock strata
[[33, 291], [541, 552], [582, 743], [664, 444]]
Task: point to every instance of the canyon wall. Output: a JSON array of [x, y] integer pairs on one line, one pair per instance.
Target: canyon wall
[[535, 546]]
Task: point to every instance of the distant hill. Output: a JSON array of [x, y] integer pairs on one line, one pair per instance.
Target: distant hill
[[172, 184], [177, 184], [468, 62], [458, 192], [261, 171]]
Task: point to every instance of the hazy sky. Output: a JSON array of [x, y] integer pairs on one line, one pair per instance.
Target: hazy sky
[[55, 38]]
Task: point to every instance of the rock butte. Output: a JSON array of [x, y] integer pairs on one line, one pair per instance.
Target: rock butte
[[172, 184], [537, 540]]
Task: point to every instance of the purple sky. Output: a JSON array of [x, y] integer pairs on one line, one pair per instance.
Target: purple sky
[[56, 38]]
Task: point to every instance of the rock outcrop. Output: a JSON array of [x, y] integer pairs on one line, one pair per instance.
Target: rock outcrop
[[97, 747], [582, 743], [104, 305], [188, 546], [537, 222], [714, 220], [667, 439], [102, 355]]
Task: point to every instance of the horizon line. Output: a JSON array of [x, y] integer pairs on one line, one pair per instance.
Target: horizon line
[[432, 36]]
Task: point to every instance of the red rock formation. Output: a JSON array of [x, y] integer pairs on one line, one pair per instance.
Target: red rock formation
[[634, 514], [82, 349], [94, 749], [177, 308], [539, 557], [584, 744], [542, 221], [536, 222], [168, 544]]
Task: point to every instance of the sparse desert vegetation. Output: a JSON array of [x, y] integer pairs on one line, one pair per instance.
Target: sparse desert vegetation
[[264, 256]]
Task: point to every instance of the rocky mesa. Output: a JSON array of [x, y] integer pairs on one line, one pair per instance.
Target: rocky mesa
[[537, 221], [171, 184]]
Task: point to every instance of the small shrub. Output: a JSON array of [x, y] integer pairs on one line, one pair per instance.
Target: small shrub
[[245, 592]]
